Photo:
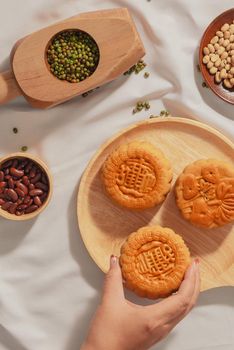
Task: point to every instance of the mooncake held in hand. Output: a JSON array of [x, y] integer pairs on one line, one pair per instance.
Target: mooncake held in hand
[[137, 175], [153, 261], [205, 193]]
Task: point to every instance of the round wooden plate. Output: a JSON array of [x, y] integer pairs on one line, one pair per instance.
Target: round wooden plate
[[226, 94], [104, 225]]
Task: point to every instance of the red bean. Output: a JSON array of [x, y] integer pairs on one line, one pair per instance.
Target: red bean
[[36, 178], [15, 163], [31, 187], [44, 179], [22, 187], [28, 167], [2, 201], [22, 207], [7, 164], [17, 173], [41, 186], [6, 205], [12, 194], [12, 208], [23, 164], [8, 177], [27, 199], [3, 184], [37, 201], [25, 180], [1, 175], [43, 197], [19, 192], [33, 172], [31, 209], [11, 183], [19, 201], [35, 192]]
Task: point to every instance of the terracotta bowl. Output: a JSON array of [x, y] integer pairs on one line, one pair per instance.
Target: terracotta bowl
[[45, 169], [219, 89]]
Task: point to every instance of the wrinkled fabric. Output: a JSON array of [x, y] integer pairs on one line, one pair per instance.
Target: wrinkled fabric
[[49, 286]]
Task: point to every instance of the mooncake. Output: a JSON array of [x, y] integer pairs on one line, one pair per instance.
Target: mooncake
[[205, 193], [137, 175], [153, 261]]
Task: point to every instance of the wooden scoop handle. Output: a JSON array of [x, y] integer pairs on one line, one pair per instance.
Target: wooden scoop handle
[[8, 87]]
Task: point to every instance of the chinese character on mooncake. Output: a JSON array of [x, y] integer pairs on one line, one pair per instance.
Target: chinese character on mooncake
[[205, 193], [153, 261], [137, 175]]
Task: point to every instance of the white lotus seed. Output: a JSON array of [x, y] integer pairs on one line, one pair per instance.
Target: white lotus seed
[[211, 48], [231, 39], [213, 70], [206, 59], [217, 77], [225, 27], [226, 42], [219, 34], [206, 51], [215, 39], [228, 67], [223, 73], [224, 55], [227, 83], [221, 40], [227, 34], [210, 64], [220, 50], [218, 62], [216, 46], [231, 28], [214, 57]]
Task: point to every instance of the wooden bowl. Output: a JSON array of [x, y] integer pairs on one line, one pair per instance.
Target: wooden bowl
[[219, 89], [104, 225], [44, 167]]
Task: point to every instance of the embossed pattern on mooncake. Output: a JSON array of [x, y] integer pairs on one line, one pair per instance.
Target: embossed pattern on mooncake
[[153, 261], [205, 193], [137, 175]]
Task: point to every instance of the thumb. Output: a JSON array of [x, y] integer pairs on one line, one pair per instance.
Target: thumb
[[113, 285]]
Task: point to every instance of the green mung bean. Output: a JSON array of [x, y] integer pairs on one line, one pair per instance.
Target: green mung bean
[[73, 56]]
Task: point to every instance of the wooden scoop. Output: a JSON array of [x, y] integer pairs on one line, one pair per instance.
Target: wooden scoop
[[119, 45]]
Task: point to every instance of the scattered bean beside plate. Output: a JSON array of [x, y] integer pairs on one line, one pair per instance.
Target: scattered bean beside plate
[[23, 186], [219, 55]]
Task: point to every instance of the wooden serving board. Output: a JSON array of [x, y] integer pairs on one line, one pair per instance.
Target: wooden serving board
[[104, 225]]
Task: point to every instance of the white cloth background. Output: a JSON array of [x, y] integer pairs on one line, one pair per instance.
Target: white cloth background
[[49, 286]]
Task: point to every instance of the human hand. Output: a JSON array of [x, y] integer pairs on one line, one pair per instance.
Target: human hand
[[122, 325]]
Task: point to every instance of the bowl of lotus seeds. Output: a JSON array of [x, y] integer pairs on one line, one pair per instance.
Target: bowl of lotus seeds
[[216, 56], [72, 56]]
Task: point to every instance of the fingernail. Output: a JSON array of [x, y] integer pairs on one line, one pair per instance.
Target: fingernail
[[113, 260]]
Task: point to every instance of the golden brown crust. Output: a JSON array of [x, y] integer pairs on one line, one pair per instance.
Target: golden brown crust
[[153, 261], [205, 193], [137, 175]]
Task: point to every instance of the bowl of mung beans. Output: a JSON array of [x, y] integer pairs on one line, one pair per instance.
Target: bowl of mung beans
[[72, 55]]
